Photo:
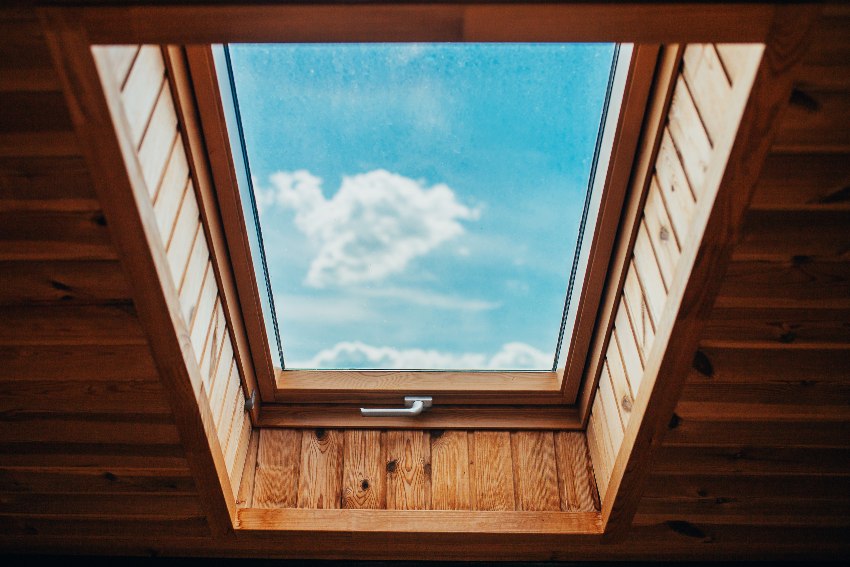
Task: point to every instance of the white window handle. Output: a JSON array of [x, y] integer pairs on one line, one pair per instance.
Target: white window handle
[[413, 405]]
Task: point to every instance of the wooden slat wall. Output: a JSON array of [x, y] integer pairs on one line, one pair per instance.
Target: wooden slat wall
[[149, 108], [87, 437], [761, 433], [695, 121], [420, 470]]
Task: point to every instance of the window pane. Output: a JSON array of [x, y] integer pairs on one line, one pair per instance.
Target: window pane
[[420, 203]]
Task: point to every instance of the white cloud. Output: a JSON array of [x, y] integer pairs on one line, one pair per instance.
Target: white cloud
[[372, 227], [430, 299], [512, 356]]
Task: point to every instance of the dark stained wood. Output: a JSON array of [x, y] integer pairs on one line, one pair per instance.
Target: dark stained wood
[[24, 283], [803, 181], [46, 184], [49, 235]]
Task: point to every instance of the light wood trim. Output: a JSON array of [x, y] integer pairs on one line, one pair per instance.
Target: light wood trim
[[103, 133], [424, 522], [450, 21], [630, 125], [716, 225], [644, 165], [439, 417], [200, 150]]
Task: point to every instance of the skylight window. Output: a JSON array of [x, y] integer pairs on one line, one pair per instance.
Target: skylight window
[[419, 206]]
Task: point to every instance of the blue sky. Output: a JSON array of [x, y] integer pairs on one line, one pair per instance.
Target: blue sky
[[420, 202]]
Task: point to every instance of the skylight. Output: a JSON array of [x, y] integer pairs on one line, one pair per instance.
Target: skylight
[[418, 206]]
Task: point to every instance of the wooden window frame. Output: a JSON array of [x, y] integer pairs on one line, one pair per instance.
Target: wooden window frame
[[363, 387]]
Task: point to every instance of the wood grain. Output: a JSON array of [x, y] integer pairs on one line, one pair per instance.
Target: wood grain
[[535, 471], [408, 468], [278, 465], [320, 471], [364, 470], [450, 468], [576, 485], [491, 470]]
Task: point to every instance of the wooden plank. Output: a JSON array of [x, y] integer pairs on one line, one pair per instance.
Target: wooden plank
[[777, 327], [160, 136], [230, 410], [661, 234], [622, 389], [734, 57], [118, 506], [121, 57], [85, 363], [206, 357], [46, 184], [278, 465], [775, 366], [638, 314], [21, 525], [649, 274], [450, 471], [320, 478], [238, 461], [780, 234], [57, 144], [798, 281], [709, 86], [812, 392], [24, 283], [170, 193], [101, 396], [146, 80], [85, 480], [811, 123], [635, 22], [599, 450], [419, 523], [221, 384], [186, 229], [491, 471], [34, 112], [36, 325], [93, 455], [364, 470], [613, 425], [190, 287], [675, 187], [202, 323], [763, 461], [731, 433], [347, 416], [535, 471], [629, 351], [245, 498], [756, 486], [240, 433], [116, 428], [576, 485], [54, 236], [689, 137], [30, 79], [758, 511], [408, 454], [803, 181]]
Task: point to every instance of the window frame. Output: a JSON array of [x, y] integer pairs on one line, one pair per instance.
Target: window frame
[[383, 387]]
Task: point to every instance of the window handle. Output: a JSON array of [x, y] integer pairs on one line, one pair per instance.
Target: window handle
[[413, 406]]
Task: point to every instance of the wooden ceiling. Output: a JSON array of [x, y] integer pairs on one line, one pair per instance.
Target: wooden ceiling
[[755, 464]]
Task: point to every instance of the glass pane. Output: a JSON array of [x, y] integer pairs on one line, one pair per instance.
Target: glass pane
[[420, 203]]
